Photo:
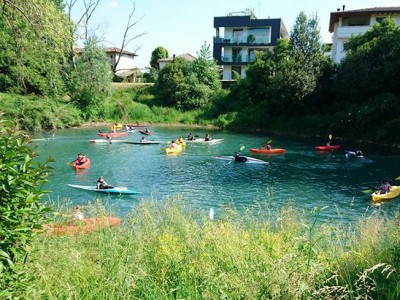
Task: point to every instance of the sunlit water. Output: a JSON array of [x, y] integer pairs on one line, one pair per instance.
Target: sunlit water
[[302, 176]]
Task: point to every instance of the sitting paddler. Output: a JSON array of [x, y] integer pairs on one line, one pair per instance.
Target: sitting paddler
[[102, 184], [385, 187], [239, 158], [180, 140], [80, 160], [143, 139], [190, 137], [207, 137], [173, 145]]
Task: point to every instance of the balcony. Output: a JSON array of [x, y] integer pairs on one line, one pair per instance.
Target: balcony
[[240, 59], [246, 40], [348, 31]]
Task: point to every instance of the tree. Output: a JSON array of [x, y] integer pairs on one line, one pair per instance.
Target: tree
[[91, 80], [21, 212], [34, 46], [159, 52]]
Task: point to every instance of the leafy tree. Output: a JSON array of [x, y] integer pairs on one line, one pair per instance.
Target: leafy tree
[[159, 52], [21, 179], [33, 43], [91, 80]]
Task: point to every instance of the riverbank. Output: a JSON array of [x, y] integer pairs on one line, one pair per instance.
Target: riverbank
[[167, 250]]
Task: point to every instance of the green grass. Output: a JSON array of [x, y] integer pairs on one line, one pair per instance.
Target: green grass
[[169, 250]]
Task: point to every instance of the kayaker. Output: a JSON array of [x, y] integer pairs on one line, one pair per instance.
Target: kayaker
[[143, 139], [173, 145], [359, 153], [109, 138], [268, 147], [80, 160], [102, 184], [384, 188], [180, 140], [239, 158], [190, 137], [328, 143], [207, 137]]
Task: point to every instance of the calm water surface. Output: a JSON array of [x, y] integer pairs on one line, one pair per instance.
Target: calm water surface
[[302, 176]]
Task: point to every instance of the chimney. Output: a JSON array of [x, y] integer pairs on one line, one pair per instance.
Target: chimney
[[344, 6], [337, 9]]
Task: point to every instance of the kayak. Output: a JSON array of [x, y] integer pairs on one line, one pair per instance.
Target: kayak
[[81, 226], [113, 134], [107, 141], [394, 192], [212, 141], [267, 151], [183, 143], [327, 148], [85, 165], [116, 190], [116, 127], [352, 153], [250, 160], [145, 132], [176, 150], [143, 143]]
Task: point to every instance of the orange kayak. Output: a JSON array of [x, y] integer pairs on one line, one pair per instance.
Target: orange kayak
[[267, 151], [85, 165], [81, 226]]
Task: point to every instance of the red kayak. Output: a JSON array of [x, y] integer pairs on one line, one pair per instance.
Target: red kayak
[[267, 151], [327, 148], [85, 165], [145, 132], [113, 134]]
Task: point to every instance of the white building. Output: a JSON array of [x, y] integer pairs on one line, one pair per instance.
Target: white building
[[162, 62], [343, 24]]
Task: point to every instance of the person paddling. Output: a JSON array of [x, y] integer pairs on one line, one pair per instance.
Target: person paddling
[[239, 158], [102, 184], [385, 187], [80, 160]]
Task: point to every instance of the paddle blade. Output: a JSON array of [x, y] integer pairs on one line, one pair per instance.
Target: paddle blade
[[367, 191], [398, 178], [242, 148], [330, 136], [269, 142]]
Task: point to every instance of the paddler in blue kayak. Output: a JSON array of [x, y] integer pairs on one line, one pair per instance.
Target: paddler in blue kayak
[[102, 184]]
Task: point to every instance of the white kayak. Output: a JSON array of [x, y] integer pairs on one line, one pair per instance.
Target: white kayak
[[352, 154], [249, 160], [212, 141], [114, 190], [143, 143], [107, 141]]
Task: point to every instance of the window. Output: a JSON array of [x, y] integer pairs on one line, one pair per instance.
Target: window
[[261, 35], [380, 19], [238, 36]]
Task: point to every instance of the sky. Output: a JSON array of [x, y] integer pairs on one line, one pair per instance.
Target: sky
[[182, 26]]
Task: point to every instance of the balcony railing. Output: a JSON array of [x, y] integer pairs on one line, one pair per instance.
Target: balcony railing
[[237, 58], [264, 40]]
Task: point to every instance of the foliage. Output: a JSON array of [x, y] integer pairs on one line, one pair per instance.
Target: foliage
[[170, 250], [90, 82], [189, 85], [21, 179], [158, 53], [34, 46]]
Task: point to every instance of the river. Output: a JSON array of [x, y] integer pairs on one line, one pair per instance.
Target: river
[[302, 176]]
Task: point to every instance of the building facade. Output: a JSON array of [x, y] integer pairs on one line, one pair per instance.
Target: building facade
[[346, 23], [238, 37]]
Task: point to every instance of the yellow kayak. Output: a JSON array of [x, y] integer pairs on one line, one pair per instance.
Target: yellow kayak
[[116, 126], [394, 192], [182, 143], [176, 150]]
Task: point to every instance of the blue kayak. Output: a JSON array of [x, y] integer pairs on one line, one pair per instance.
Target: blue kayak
[[119, 190]]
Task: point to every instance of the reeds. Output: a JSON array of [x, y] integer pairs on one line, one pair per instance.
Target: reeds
[[169, 250]]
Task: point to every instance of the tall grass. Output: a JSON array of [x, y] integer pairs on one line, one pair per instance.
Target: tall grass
[[168, 250]]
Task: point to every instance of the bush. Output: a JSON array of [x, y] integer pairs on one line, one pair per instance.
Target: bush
[[21, 179]]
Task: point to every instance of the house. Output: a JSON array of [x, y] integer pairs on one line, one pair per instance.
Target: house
[[238, 37], [345, 23], [126, 67], [162, 62]]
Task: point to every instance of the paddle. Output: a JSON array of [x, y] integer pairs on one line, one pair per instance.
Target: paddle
[[68, 163], [330, 137]]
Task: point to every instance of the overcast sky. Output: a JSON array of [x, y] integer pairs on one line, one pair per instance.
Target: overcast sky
[[182, 26]]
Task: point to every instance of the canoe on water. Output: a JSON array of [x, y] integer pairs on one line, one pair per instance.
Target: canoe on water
[[116, 126], [119, 190], [212, 141], [107, 141], [85, 165], [327, 148], [394, 192], [81, 226], [267, 151], [113, 134], [250, 160], [143, 143]]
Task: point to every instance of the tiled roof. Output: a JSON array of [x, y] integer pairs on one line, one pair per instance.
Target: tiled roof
[[361, 12], [118, 50]]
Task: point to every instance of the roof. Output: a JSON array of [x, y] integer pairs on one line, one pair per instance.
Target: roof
[[390, 10], [185, 56], [118, 50]]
